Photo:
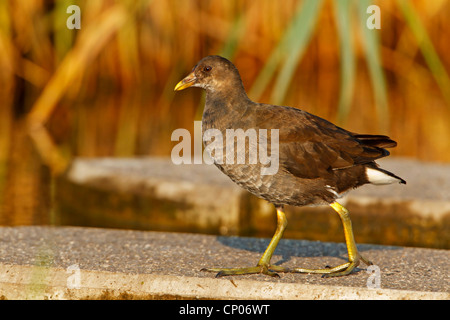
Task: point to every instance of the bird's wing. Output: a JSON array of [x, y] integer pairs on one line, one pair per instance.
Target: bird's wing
[[310, 146]]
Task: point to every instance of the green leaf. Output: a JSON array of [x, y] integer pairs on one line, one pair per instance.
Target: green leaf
[[426, 47], [289, 49], [237, 31], [297, 39], [372, 45], [347, 57]]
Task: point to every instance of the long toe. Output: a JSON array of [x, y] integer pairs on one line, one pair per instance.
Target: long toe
[[340, 270], [263, 269]]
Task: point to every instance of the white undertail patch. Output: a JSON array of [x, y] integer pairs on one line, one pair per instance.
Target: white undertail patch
[[379, 177]]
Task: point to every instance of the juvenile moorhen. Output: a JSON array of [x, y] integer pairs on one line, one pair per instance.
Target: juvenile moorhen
[[318, 161]]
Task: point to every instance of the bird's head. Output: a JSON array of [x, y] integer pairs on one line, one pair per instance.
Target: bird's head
[[212, 73]]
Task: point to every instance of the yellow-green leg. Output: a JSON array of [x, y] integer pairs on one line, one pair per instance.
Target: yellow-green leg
[[354, 258], [263, 265]]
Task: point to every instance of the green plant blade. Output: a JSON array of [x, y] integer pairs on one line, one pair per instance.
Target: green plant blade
[[298, 37], [372, 45], [289, 50], [347, 57], [237, 31], [426, 47]]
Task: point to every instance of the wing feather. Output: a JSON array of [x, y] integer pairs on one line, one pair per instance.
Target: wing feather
[[311, 147]]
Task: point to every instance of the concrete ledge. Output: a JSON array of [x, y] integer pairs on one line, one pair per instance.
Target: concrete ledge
[[90, 263], [102, 285], [154, 194]]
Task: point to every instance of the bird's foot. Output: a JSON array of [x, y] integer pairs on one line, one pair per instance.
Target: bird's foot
[[270, 270], [340, 270]]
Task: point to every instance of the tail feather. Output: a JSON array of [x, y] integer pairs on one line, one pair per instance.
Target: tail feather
[[376, 175], [378, 141]]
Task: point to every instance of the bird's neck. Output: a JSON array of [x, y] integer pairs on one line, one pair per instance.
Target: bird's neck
[[223, 108], [230, 100]]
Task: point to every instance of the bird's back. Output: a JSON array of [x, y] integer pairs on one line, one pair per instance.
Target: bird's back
[[317, 160]]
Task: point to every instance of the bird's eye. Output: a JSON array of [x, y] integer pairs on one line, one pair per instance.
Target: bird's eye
[[207, 68]]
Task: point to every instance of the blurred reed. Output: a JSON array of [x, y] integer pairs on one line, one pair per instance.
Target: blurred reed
[[107, 89]]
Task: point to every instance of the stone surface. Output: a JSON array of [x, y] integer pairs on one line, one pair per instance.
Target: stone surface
[[154, 194], [41, 263]]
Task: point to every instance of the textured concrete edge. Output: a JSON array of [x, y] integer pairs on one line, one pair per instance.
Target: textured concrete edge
[[35, 282]]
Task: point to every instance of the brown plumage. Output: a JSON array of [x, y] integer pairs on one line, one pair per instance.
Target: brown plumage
[[318, 161]]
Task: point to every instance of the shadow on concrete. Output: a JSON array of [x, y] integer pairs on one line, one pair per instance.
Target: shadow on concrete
[[289, 248]]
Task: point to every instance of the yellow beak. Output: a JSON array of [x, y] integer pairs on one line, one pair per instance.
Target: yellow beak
[[186, 82]]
